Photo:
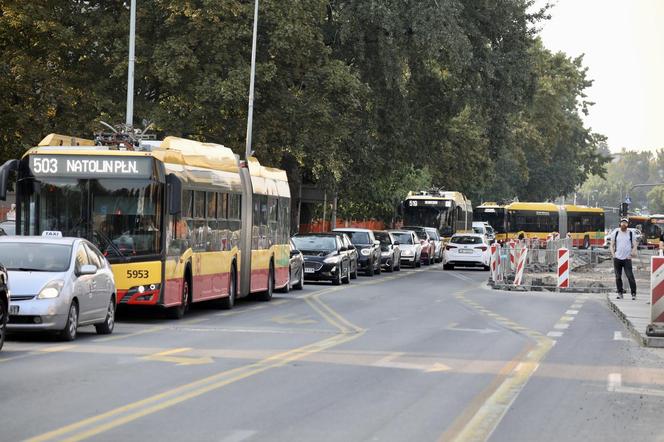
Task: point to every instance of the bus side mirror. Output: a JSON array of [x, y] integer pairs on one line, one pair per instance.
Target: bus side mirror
[[5, 171], [174, 189]]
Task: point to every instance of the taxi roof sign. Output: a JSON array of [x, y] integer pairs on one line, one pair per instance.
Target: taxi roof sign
[[52, 234]]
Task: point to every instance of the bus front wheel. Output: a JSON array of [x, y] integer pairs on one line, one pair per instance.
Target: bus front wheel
[[267, 294], [179, 311]]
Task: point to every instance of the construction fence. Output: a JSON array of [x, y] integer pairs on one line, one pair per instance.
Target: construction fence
[[520, 265]]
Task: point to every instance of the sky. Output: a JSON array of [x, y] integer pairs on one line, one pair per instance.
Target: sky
[[623, 43]]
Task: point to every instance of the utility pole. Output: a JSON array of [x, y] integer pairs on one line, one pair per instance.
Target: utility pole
[[250, 114], [130, 69]]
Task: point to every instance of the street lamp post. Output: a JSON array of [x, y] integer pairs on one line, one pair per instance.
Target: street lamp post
[[130, 69], [250, 113]]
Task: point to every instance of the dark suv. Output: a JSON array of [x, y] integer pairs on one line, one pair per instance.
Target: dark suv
[[368, 246], [351, 251], [4, 304]]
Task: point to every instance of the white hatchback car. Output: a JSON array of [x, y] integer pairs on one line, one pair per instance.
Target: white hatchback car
[[467, 250]]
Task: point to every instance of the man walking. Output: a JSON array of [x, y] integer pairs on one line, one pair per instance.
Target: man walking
[[623, 248]]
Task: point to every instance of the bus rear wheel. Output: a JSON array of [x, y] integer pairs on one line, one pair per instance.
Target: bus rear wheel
[[228, 302], [267, 294]]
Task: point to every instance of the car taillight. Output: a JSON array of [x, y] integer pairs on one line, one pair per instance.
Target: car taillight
[[482, 248], [450, 247]]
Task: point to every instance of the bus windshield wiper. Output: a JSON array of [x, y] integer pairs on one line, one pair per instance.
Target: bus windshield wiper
[[29, 269], [109, 242]]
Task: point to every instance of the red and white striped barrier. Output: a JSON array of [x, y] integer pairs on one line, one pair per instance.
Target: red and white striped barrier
[[495, 261], [520, 266], [657, 291], [512, 246], [563, 268]]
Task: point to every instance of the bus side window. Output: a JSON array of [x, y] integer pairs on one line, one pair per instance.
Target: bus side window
[[200, 231]]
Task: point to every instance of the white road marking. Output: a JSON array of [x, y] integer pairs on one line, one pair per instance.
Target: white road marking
[[614, 381], [239, 436], [572, 312], [561, 326], [555, 334], [618, 336]]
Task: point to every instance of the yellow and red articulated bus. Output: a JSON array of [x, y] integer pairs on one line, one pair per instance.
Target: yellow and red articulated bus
[[585, 225], [180, 221]]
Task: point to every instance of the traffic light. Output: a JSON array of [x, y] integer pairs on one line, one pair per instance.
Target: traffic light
[[624, 209]]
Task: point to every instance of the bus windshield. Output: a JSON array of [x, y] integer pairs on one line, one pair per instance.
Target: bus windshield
[[122, 217], [494, 216], [436, 217], [126, 216]]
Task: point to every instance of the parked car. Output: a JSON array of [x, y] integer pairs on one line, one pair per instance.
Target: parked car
[[8, 228], [352, 253], [437, 242], [4, 304], [428, 246], [324, 257], [410, 246], [295, 269], [368, 246], [58, 284], [390, 251], [467, 250], [484, 228]]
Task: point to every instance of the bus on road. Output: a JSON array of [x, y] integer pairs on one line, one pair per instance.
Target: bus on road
[[585, 225], [494, 214], [449, 212], [180, 221]]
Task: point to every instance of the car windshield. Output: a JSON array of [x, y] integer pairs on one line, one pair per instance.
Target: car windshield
[[35, 257], [315, 243], [358, 237], [479, 230], [433, 234], [466, 240], [383, 237], [403, 237], [421, 234]]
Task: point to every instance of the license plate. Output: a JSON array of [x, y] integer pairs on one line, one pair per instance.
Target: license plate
[[13, 309], [465, 251], [307, 270]]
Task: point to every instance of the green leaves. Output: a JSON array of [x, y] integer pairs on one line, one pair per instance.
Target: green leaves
[[370, 98]]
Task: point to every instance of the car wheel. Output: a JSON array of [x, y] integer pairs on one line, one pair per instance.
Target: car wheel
[[448, 267], [71, 327], [179, 311], [106, 327], [337, 279], [486, 268], [3, 323], [267, 294], [346, 279], [389, 266], [228, 302], [354, 274], [300, 284], [370, 269]]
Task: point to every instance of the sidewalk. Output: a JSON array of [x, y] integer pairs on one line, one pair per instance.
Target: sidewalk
[[636, 315]]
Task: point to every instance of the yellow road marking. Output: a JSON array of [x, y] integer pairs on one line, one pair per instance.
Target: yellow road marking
[[101, 423], [293, 318], [129, 335], [165, 356]]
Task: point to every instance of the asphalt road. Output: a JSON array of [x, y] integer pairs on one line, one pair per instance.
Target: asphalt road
[[418, 355]]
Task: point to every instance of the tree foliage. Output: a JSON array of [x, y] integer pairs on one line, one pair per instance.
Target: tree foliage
[[368, 98]]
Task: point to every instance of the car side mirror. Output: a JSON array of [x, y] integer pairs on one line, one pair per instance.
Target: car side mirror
[[343, 249], [376, 242], [87, 269], [294, 252]]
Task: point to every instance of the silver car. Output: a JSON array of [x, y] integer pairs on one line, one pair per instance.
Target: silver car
[[411, 248], [58, 284]]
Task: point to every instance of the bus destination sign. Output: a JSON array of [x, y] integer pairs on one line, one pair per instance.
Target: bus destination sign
[[422, 203], [71, 166]]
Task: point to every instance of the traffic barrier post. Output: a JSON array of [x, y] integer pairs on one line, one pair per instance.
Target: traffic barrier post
[[656, 327], [563, 268], [520, 266], [512, 246], [495, 260]]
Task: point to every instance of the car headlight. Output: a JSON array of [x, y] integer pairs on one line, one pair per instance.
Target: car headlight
[[365, 252], [331, 260], [51, 290]]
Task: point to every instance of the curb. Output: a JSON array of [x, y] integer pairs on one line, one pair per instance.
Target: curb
[[645, 341]]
